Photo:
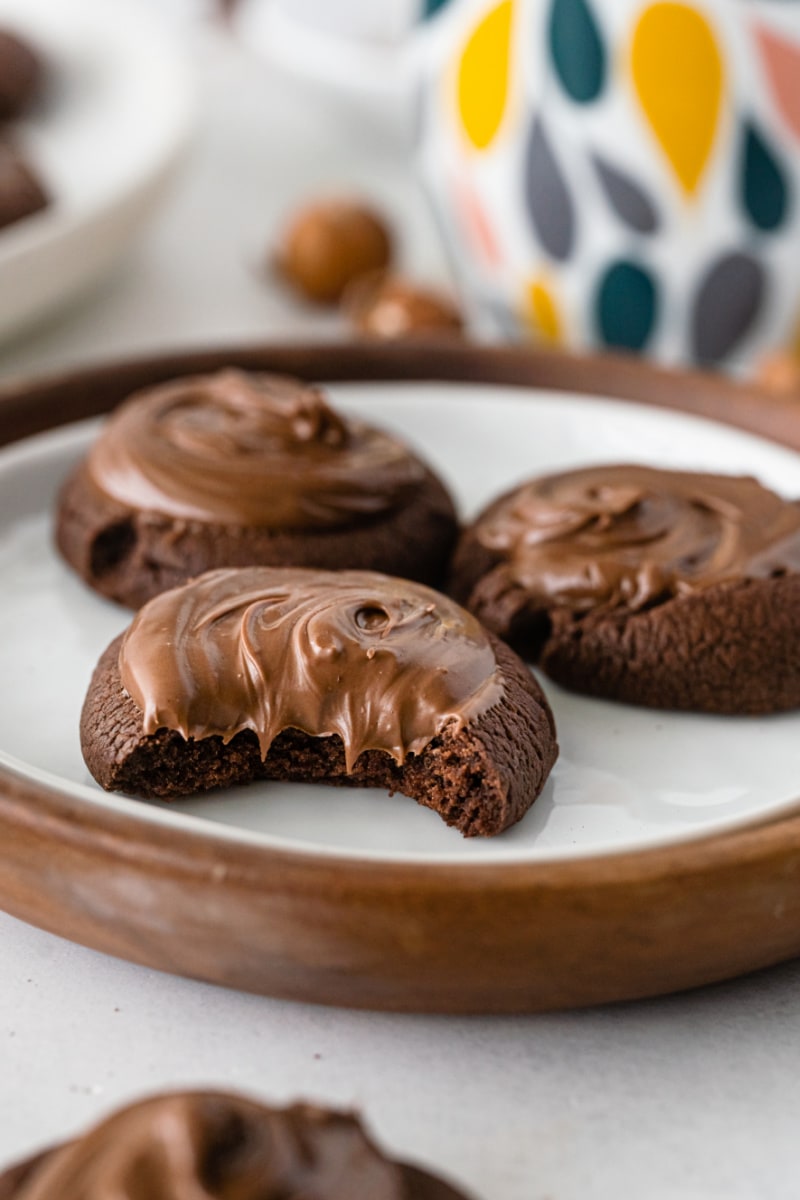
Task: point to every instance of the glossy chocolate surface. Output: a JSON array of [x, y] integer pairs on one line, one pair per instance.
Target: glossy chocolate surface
[[631, 536], [214, 1146], [253, 450], [384, 663]]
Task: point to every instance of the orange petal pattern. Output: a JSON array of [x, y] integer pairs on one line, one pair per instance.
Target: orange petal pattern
[[781, 62]]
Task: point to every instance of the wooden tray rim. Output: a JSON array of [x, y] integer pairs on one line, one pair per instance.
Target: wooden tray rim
[[39, 817]]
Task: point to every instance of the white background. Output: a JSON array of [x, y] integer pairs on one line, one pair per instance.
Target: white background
[[690, 1097]]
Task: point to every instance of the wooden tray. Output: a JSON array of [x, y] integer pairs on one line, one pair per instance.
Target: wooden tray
[[477, 937]]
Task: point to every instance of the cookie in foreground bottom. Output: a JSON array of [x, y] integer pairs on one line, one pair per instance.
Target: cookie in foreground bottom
[[216, 1145], [662, 588], [346, 677]]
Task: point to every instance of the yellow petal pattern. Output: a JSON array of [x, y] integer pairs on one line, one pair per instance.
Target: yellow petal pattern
[[678, 74], [541, 311], [482, 76]]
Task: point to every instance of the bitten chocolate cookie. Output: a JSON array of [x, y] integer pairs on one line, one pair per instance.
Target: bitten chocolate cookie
[[21, 192], [661, 588], [217, 1146], [21, 74], [234, 470], [346, 677]]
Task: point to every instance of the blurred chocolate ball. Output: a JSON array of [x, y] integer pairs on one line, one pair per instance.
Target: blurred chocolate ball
[[388, 306], [329, 244], [21, 192], [779, 372], [20, 75]]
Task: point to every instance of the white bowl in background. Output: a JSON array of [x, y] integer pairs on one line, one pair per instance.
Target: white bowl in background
[[104, 137]]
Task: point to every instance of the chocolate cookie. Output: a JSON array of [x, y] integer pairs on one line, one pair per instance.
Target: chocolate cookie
[[234, 470], [661, 588], [21, 192], [20, 75], [346, 677], [217, 1145]]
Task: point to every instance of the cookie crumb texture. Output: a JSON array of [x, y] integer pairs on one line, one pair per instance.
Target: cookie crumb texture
[[219, 1145], [731, 650], [481, 779], [131, 556]]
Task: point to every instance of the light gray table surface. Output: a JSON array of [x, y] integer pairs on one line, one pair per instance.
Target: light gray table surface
[[690, 1097]]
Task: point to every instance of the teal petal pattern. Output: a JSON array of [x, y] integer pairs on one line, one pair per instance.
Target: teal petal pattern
[[764, 186], [431, 7], [728, 301], [576, 48], [626, 306], [548, 200]]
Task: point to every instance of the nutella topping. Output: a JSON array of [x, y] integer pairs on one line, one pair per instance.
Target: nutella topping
[[211, 1146], [631, 536], [245, 449], [384, 663]]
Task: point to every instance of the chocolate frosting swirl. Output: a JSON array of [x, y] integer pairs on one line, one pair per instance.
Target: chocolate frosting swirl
[[243, 449], [384, 663], [630, 536], [213, 1146]]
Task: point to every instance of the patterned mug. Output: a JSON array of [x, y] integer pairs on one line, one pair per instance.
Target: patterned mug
[[622, 173]]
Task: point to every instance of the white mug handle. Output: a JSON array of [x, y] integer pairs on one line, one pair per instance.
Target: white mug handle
[[366, 51]]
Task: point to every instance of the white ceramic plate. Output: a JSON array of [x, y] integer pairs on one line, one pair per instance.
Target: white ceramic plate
[[627, 778], [104, 137]]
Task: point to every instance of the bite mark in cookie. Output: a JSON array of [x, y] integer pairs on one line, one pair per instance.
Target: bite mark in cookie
[[346, 678]]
